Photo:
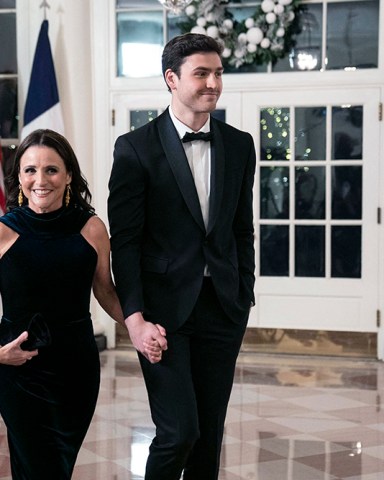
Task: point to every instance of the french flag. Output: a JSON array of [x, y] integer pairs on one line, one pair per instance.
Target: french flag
[[42, 108]]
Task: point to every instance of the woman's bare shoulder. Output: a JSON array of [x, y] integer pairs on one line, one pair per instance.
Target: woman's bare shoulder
[[95, 232]]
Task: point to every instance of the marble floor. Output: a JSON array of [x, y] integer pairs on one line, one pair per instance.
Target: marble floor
[[289, 418]]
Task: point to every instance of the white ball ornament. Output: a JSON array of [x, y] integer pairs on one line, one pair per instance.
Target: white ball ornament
[[213, 31], [249, 22], [227, 52], [255, 35], [267, 5], [265, 43], [251, 47], [242, 38], [227, 23], [279, 9], [197, 29], [270, 17], [291, 16], [280, 32], [238, 53], [201, 22], [190, 10]]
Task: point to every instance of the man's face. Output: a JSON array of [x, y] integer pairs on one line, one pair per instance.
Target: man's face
[[200, 84]]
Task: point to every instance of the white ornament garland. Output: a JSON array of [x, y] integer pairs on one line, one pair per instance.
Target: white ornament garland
[[262, 38]]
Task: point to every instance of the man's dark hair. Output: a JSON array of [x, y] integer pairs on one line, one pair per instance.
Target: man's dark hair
[[182, 46]]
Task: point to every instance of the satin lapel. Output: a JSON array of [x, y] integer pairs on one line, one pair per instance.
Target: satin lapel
[[217, 175], [175, 155]]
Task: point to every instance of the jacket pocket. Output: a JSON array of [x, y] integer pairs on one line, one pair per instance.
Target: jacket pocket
[[153, 264]]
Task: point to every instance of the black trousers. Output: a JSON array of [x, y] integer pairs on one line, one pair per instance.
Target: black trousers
[[189, 391]]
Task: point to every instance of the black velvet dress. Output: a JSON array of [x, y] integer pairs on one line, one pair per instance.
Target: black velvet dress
[[47, 404]]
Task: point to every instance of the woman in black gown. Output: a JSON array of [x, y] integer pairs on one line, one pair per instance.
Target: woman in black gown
[[53, 251]]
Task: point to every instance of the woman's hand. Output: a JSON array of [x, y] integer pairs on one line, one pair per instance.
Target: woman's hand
[[147, 338], [12, 354]]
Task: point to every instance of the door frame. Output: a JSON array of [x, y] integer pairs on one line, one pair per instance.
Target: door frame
[[267, 304]]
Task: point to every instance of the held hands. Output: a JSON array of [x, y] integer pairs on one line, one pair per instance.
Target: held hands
[[148, 338], [12, 354]]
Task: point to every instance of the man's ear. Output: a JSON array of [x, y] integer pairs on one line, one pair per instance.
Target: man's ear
[[170, 77]]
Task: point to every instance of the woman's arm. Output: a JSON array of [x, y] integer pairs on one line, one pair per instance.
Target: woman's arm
[[104, 289]]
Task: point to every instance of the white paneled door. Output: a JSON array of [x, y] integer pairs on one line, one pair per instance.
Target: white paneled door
[[316, 204]]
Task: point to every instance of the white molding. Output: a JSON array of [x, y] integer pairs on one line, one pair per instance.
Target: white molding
[[24, 58], [103, 143], [380, 259]]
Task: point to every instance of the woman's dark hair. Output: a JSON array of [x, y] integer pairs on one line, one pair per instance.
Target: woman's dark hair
[[182, 46], [80, 194]]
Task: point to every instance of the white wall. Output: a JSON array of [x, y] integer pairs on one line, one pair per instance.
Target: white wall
[[70, 38], [69, 34]]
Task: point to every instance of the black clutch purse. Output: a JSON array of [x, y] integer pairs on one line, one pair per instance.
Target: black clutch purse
[[38, 332]]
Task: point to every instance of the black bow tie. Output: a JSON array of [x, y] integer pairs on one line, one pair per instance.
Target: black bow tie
[[190, 136]]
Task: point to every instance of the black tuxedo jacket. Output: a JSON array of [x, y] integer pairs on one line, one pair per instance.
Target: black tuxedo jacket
[[160, 246]]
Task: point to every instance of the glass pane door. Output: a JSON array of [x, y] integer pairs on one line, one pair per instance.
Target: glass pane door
[[316, 199], [305, 168]]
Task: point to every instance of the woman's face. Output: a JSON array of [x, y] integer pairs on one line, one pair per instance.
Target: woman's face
[[43, 178]]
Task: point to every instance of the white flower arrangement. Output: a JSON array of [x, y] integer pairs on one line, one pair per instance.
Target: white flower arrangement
[[262, 38]]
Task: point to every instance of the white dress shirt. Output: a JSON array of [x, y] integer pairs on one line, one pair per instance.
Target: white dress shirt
[[198, 154]]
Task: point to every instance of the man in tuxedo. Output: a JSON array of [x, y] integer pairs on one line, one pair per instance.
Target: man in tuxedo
[[180, 213]]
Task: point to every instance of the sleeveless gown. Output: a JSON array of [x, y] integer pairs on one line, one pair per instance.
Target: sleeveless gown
[[47, 404]]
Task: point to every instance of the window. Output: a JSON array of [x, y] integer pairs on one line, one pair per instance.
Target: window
[[324, 204], [8, 79], [346, 40]]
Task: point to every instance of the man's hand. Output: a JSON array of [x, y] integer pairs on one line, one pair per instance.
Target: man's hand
[[148, 338], [12, 354]]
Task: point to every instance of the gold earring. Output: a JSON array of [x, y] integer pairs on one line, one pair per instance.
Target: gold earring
[[67, 195], [20, 198]]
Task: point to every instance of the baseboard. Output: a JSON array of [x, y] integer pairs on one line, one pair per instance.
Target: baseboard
[[310, 342]]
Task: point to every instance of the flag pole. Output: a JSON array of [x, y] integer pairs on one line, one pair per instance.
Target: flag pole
[[45, 5]]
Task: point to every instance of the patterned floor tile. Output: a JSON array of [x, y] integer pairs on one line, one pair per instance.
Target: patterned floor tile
[[289, 418]]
